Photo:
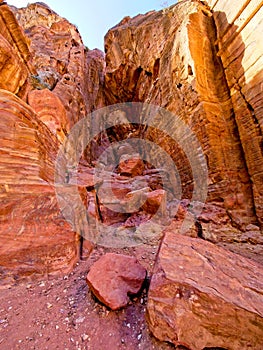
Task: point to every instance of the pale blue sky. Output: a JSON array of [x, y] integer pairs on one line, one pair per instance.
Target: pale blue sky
[[95, 17]]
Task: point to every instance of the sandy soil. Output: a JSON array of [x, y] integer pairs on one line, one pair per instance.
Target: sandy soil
[[61, 313]]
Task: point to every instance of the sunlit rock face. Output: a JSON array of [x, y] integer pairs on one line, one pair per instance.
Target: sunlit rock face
[[176, 58], [201, 63], [15, 58], [35, 238], [202, 296], [239, 41], [62, 62]]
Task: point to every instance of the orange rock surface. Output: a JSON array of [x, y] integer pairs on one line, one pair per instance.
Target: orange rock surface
[[15, 56], [50, 111], [62, 63], [34, 236], [202, 63], [202, 296], [178, 63], [114, 278]]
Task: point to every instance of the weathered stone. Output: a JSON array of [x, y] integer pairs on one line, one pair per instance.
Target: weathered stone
[[185, 226], [114, 278], [34, 236], [15, 55], [203, 296], [62, 62], [239, 28], [94, 79], [155, 201], [50, 111], [136, 219], [109, 200], [134, 200], [131, 165], [193, 83], [202, 64], [86, 249]]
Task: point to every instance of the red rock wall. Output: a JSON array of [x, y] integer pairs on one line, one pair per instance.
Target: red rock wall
[[15, 58], [34, 236], [203, 64], [171, 59], [239, 39]]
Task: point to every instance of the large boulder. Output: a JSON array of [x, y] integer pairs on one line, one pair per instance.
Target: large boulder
[[204, 296], [115, 277]]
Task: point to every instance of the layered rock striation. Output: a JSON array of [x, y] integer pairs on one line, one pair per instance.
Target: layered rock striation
[[173, 59], [198, 68], [35, 119], [197, 61]]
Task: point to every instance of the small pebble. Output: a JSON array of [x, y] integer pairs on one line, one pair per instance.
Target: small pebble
[[85, 337], [80, 319]]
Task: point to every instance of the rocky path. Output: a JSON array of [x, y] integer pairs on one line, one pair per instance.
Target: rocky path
[[61, 313]]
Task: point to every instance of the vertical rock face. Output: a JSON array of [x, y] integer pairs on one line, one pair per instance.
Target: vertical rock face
[[50, 111], [15, 54], [63, 64], [173, 59], [199, 62], [34, 236], [239, 40]]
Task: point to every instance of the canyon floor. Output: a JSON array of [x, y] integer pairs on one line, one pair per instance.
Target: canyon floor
[[61, 313]]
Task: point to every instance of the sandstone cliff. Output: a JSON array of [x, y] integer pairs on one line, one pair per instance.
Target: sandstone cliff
[[201, 62], [35, 238], [197, 61], [172, 59]]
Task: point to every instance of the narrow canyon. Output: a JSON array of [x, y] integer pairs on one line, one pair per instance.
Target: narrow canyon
[[132, 180]]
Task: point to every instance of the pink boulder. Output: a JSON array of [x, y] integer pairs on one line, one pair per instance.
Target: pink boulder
[[115, 277]]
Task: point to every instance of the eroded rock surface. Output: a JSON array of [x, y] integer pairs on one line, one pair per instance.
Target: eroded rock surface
[[205, 296], [200, 63], [15, 58], [51, 111], [62, 62], [35, 238], [173, 58], [114, 278]]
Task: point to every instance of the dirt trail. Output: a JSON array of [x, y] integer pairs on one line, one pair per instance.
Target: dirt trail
[[61, 313]]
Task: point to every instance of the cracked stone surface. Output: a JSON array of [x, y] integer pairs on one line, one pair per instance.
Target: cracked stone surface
[[204, 296]]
